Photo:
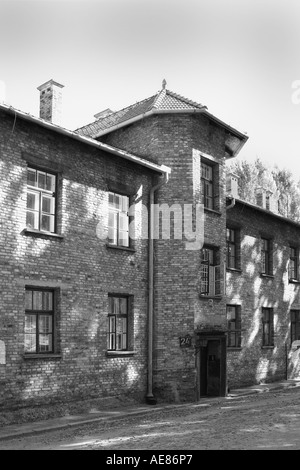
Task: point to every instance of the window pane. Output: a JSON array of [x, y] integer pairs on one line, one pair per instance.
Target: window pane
[[123, 221], [45, 323], [47, 223], [41, 180], [123, 239], [113, 236], [31, 177], [37, 300], [50, 183], [47, 300], [48, 204], [32, 200], [123, 305], [45, 342], [113, 220], [30, 324], [30, 343]]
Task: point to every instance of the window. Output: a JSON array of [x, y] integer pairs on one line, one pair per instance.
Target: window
[[117, 338], [293, 263], [207, 187], [210, 282], [232, 240], [234, 326], [295, 325], [118, 219], [266, 256], [41, 200], [39, 321], [268, 328]]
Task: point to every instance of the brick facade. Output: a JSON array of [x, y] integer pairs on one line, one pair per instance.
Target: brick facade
[[181, 142], [252, 291], [76, 264]]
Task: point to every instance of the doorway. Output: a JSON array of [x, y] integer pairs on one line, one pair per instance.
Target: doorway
[[211, 366]]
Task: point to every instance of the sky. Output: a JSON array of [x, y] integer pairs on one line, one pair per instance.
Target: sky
[[240, 58]]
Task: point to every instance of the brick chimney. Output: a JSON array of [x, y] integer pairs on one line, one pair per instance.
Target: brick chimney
[[51, 101], [265, 199], [232, 185]]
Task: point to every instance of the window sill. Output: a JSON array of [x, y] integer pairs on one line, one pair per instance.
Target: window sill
[[294, 281], [120, 353], [212, 211], [42, 356], [231, 348], [267, 347], [215, 297], [234, 270], [270, 276], [38, 233], [123, 248]]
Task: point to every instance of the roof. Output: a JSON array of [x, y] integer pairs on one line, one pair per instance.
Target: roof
[[264, 211], [84, 139], [165, 101]]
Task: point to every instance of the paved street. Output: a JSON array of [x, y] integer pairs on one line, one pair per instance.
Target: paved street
[[263, 421]]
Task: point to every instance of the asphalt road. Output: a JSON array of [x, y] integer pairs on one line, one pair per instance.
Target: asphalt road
[[265, 421]]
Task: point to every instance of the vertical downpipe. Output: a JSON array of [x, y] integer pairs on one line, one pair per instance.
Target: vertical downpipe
[[150, 399]]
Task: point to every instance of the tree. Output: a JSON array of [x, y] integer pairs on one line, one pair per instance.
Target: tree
[[280, 181]]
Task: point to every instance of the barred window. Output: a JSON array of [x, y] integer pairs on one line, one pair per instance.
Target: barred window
[[268, 326], [233, 248], [117, 336], [266, 256], [207, 186], [39, 321], [234, 334], [293, 263], [295, 325], [41, 200]]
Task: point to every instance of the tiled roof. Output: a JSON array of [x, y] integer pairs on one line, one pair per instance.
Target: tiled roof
[[164, 100]]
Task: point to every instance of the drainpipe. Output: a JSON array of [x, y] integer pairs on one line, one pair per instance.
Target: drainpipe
[[150, 399], [231, 205]]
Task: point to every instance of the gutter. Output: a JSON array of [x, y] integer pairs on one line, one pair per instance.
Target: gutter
[[150, 399], [152, 112], [85, 140], [232, 204]]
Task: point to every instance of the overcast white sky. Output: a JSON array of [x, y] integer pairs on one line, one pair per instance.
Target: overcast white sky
[[238, 57]]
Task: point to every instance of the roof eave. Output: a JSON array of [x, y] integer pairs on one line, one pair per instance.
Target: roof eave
[[265, 211], [85, 140], [242, 137]]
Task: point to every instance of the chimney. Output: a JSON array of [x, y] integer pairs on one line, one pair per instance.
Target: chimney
[[2, 91], [260, 194], [103, 114], [51, 101], [266, 200], [232, 185], [271, 202]]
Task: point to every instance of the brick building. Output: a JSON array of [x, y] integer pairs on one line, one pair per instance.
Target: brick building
[[73, 299], [89, 310]]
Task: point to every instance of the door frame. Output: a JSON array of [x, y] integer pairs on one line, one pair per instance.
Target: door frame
[[219, 336]]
